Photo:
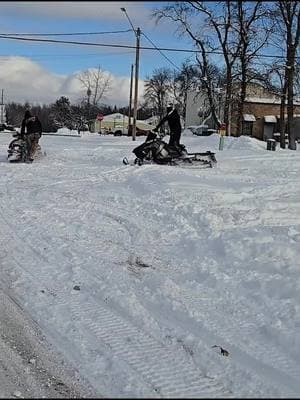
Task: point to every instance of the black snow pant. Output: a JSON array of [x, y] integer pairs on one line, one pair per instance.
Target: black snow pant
[[175, 139]]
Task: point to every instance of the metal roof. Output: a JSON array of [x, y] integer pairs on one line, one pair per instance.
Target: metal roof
[[270, 118], [249, 117]]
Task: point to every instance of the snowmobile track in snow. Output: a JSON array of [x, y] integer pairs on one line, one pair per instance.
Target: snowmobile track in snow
[[112, 329], [152, 360], [169, 376]]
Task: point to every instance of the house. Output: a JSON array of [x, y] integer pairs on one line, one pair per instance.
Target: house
[[260, 116], [119, 120]]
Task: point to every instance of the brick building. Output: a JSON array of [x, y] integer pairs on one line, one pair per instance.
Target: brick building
[[260, 117]]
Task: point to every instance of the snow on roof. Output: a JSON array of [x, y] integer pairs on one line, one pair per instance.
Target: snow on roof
[[267, 100], [115, 117], [270, 118], [118, 117], [249, 117]]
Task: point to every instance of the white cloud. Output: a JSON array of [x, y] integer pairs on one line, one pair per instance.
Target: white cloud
[[25, 80], [93, 10]]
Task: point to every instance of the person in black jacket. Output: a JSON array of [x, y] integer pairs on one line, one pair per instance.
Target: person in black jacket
[[173, 119], [31, 131]]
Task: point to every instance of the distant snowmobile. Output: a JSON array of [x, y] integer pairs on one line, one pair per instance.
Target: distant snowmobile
[[18, 151], [155, 150]]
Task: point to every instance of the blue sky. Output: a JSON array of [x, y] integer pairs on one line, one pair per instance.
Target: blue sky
[[52, 66], [42, 72], [68, 17]]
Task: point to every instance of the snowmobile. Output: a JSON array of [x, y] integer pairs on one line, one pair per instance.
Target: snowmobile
[[18, 149], [155, 150]]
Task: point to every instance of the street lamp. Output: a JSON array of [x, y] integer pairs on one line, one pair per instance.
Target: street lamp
[[137, 33], [125, 12]]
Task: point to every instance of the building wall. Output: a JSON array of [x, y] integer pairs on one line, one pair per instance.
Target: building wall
[[97, 126], [295, 126], [195, 102], [192, 106], [259, 110], [263, 103]]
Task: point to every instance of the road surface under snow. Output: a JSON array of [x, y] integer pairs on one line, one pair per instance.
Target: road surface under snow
[[133, 274], [28, 366]]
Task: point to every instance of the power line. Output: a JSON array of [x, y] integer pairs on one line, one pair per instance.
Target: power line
[[64, 34], [161, 52], [5, 57], [127, 46]]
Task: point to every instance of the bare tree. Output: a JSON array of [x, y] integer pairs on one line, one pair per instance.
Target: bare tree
[[158, 89], [187, 78], [288, 18], [222, 23], [237, 31], [297, 80], [253, 29], [218, 20], [96, 82], [180, 12]]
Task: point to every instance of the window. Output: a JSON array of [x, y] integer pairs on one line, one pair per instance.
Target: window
[[247, 128]]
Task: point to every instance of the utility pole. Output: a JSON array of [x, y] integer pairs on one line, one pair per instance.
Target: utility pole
[[229, 119], [89, 92], [2, 108], [130, 97], [137, 60], [137, 33]]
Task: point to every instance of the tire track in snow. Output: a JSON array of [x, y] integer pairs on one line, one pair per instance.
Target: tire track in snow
[[273, 359], [150, 359], [60, 300], [233, 326], [277, 358], [186, 301], [168, 373], [244, 330]]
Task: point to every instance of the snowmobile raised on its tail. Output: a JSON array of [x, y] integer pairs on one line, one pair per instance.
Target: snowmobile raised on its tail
[[155, 150], [18, 149]]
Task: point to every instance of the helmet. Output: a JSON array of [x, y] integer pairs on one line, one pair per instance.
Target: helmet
[[170, 107]]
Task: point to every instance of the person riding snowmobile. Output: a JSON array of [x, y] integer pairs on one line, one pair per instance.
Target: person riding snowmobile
[[173, 119], [31, 131]]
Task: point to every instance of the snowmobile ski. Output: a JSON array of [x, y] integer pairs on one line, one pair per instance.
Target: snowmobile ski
[[187, 162]]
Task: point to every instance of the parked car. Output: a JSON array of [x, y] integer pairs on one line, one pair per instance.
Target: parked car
[[139, 132], [5, 127], [119, 130], [201, 130]]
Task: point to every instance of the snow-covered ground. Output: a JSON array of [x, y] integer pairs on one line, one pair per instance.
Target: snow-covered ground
[[169, 262]]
